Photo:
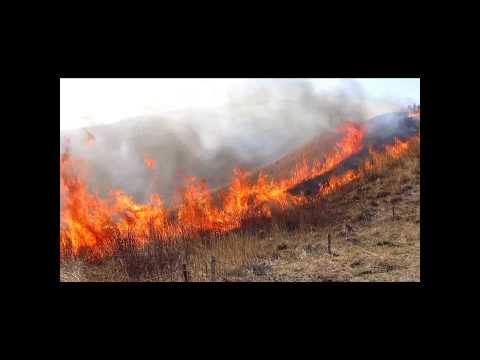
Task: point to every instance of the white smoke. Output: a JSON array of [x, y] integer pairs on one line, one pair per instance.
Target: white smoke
[[263, 119]]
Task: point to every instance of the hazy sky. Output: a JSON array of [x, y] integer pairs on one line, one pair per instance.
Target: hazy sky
[[87, 102]]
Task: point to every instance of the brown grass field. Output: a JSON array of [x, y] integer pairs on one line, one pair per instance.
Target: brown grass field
[[367, 243]]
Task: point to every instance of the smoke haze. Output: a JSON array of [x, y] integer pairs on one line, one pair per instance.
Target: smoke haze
[[262, 121]]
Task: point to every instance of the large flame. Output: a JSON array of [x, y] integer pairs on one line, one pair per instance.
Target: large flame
[[92, 223]]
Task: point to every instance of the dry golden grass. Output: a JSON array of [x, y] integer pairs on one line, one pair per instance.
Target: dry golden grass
[[375, 247]]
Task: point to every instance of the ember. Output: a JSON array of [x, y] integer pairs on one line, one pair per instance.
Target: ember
[[149, 162]]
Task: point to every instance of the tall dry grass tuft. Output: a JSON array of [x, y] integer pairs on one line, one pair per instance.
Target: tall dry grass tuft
[[153, 258]]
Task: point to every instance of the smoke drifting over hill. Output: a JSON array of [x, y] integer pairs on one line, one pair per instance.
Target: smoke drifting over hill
[[262, 121]]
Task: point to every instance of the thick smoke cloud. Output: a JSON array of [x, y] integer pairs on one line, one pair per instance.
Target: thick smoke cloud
[[263, 120]]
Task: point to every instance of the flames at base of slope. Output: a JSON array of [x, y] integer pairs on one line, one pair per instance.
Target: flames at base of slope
[[90, 222]]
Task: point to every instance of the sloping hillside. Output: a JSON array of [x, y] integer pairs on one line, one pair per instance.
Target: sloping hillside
[[376, 247], [374, 226]]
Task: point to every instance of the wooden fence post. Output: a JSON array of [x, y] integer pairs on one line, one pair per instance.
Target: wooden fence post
[[213, 274], [185, 272], [329, 244]]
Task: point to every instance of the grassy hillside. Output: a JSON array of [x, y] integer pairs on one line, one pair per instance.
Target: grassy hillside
[[367, 242]]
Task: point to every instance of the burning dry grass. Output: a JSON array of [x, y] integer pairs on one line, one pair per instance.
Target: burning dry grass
[[97, 225], [291, 245], [267, 242]]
